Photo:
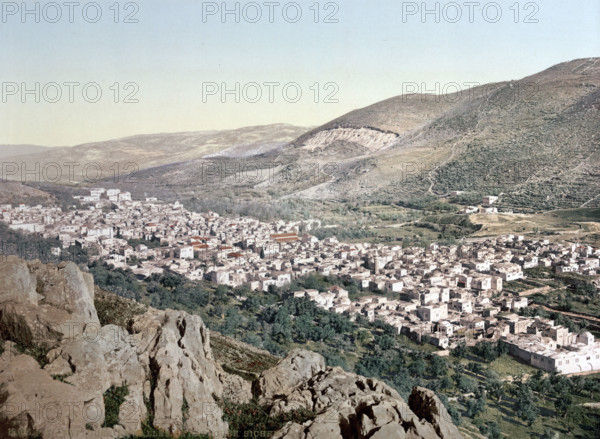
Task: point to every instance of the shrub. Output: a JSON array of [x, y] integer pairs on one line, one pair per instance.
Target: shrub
[[113, 398]]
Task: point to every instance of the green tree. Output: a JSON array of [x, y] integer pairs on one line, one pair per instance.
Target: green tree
[[438, 366], [494, 431], [445, 382], [574, 417], [460, 351], [562, 404], [495, 388], [475, 367], [385, 342], [464, 383], [363, 336], [525, 407], [252, 303], [486, 350], [475, 406], [232, 321], [418, 367]]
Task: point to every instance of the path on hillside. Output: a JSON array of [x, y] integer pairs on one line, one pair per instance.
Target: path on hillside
[[568, 313]]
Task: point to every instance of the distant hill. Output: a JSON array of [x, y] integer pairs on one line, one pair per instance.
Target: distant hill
[[144, 151], [12, 150], [534, 141]]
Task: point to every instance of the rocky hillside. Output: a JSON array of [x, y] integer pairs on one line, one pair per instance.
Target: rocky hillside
[[68, 371], [535, 141], [122, 158]]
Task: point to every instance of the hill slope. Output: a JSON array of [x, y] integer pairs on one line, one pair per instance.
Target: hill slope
[[12, 150], [536, 141], [129, 154]]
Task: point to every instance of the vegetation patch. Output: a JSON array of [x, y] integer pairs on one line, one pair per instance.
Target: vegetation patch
[[113, 398], [115, 310], [252, 420]]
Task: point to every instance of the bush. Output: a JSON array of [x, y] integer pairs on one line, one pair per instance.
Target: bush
[[252, 420], [113, 398]]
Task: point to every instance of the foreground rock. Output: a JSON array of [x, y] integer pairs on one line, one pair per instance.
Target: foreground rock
[[347, 405], [164, 360]]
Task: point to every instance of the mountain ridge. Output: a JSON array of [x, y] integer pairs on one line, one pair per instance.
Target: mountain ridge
[[535, 141]]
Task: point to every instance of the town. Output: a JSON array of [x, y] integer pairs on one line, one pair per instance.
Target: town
[[442, 295]]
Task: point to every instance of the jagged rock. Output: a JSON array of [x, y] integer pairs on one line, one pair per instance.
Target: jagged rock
[[18, 284], [66, 287], [35, 402], [235, 388], [297, 367], [347, 405], [176, 347], [426, 405], [166, 361]]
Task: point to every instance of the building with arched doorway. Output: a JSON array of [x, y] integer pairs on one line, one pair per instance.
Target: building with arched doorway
[[582, 354]]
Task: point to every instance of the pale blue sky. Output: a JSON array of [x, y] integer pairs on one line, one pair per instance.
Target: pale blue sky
[[171, 52]]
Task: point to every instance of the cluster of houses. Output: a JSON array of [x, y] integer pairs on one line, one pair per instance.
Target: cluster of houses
[[487, 205], [439, 294]]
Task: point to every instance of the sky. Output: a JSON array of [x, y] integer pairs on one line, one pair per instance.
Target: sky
[[80, 72]]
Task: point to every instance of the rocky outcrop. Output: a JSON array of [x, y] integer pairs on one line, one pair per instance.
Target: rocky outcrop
[[18, 284], [346, 405], [428, 406], [370, 139], [164, 361], [297, 368]]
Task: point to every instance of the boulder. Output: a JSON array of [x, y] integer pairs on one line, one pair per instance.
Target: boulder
[[18, 284], [41, 304], [34, 402], [296, 368], [66, 287], [346, 405], [235, 388], [426, 405]]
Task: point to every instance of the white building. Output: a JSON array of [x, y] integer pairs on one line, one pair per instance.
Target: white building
[[544, 353]]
